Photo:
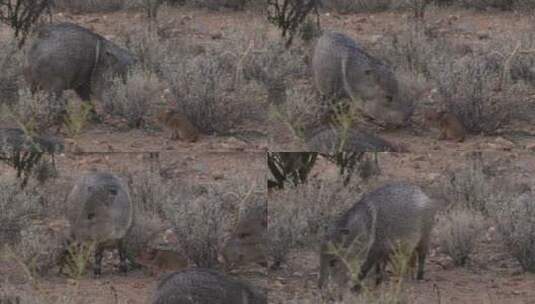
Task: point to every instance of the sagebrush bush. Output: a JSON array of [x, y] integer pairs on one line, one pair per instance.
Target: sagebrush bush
[[198, 214], [457, 233], [37, 112], [199, 225], [469, 89], [16, 206], [303, 222], [149, 193], [25, 226], [205, 90], [133, 100], [11, 76], [89, 6], [470, 187], [515, 225]]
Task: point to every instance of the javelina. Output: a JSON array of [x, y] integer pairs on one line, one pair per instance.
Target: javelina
[[247, 242], [100, 211], [180, 126], [342, 68], [67, 56], [205, 286], [394, 214], [450, 125], [161, 260]]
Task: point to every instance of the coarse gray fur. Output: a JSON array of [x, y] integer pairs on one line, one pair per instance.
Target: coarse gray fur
[[394, 214], [206, 286], [341, 68], [100, 211], [67, 56]]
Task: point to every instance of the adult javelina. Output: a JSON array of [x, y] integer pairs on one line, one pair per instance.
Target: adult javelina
[[393, 214], [205, 286], [247, 242], [100, 211], [342, 68], [66, 56]]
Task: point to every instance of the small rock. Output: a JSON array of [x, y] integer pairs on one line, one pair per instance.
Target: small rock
[[217, 36], [531, 147], [375, 38], [418, 158], [483, 35], [504, 144], [218, 176]]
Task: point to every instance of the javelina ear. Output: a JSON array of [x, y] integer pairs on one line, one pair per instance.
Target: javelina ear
[[113, 191]]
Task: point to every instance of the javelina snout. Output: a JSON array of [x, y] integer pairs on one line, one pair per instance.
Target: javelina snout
[[394, 214], [100, 211], [205, 286], [341, 68], [247, 242]]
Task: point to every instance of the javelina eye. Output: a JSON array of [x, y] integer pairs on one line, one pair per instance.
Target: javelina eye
[[90, 215], [389, 99], [333, 263], [243, 235]]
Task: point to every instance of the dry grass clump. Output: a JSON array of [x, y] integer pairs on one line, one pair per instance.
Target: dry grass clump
[[11, 76], [471, 187], [37, 112], [133, 100], [205, 89], [457, 233], [27, 226], [299, 216], [515, 224], [16, 208], [470, 84], [201, 216]]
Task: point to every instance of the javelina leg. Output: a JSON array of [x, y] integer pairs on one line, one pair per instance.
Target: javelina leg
[[122, 257], [98, 261], [379, 272], [422, 253], [174, 135], [372, 260], [84, 92]]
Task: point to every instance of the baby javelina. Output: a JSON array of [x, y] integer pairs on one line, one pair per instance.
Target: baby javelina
[[158, 256], [450, 125], [180, 126]]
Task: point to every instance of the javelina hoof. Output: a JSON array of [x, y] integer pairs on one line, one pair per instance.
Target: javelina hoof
[[96, 273], [123, 268], [356, 289]]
